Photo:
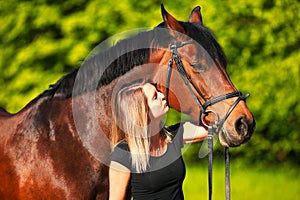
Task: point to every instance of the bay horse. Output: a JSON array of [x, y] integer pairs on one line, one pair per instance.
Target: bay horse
[[58, 146]]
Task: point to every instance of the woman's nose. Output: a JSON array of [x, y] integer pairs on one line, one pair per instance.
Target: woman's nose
[[161, 96]]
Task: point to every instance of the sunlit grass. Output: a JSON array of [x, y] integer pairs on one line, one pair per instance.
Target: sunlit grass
[[246, 182]]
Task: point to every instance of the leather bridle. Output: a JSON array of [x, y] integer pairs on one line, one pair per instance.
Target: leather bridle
[[216, 127]]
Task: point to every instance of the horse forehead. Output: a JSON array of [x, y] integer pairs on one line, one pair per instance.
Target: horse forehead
[[189, 52]]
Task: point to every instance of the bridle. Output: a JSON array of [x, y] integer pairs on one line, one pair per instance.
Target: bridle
[[218, 124], [216, 127]]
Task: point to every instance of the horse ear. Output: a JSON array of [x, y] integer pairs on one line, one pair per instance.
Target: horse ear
[[195, 16], [170, 22]]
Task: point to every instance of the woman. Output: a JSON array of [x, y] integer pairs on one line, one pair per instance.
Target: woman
[[147, 156]]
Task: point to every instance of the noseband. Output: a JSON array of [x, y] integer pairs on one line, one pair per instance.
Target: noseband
[[218, 124]]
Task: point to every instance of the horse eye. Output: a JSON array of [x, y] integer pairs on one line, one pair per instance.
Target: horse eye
[[199, 66]]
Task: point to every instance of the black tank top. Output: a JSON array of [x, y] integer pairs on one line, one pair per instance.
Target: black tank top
[[165, 174]]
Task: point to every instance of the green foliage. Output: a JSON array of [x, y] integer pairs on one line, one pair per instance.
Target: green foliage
[[43, 40], [262, 45]]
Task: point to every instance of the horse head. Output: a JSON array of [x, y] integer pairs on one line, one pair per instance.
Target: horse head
[[194, 79]]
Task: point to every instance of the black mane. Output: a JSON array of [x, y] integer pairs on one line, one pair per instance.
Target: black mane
[[106, 66], [206, 39]]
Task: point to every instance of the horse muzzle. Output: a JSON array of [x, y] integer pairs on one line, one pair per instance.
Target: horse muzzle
[[243, 130]]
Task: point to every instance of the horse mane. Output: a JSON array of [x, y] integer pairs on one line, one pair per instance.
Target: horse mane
[[206, 39], [104, 67]]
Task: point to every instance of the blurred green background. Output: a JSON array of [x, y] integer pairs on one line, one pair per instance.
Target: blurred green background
[[43, 40]]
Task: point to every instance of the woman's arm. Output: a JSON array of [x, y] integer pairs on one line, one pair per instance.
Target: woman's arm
[[193, 133], [119, 177]]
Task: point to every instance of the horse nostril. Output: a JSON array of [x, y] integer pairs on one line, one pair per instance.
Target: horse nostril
[[241, 126]]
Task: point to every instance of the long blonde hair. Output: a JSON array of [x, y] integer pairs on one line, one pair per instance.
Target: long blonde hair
[[130, 120]]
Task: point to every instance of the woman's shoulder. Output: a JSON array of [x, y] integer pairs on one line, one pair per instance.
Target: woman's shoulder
[[121, 155], [123, 144], [174, 129], [176, 133]]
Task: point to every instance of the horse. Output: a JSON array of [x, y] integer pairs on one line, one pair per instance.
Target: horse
[[58, 146]]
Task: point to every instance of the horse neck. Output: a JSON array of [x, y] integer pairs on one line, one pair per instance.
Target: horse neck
[[4, 113], [103, 106]]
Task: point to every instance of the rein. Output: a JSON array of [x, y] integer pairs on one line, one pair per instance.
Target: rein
[[218, 124]]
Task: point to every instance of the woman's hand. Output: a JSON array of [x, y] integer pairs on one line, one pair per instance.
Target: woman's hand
[[193, 133]]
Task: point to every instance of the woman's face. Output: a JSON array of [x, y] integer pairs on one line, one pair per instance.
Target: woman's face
[[156, 101]]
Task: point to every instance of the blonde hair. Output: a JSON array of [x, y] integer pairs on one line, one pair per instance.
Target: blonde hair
[[130, 120]]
